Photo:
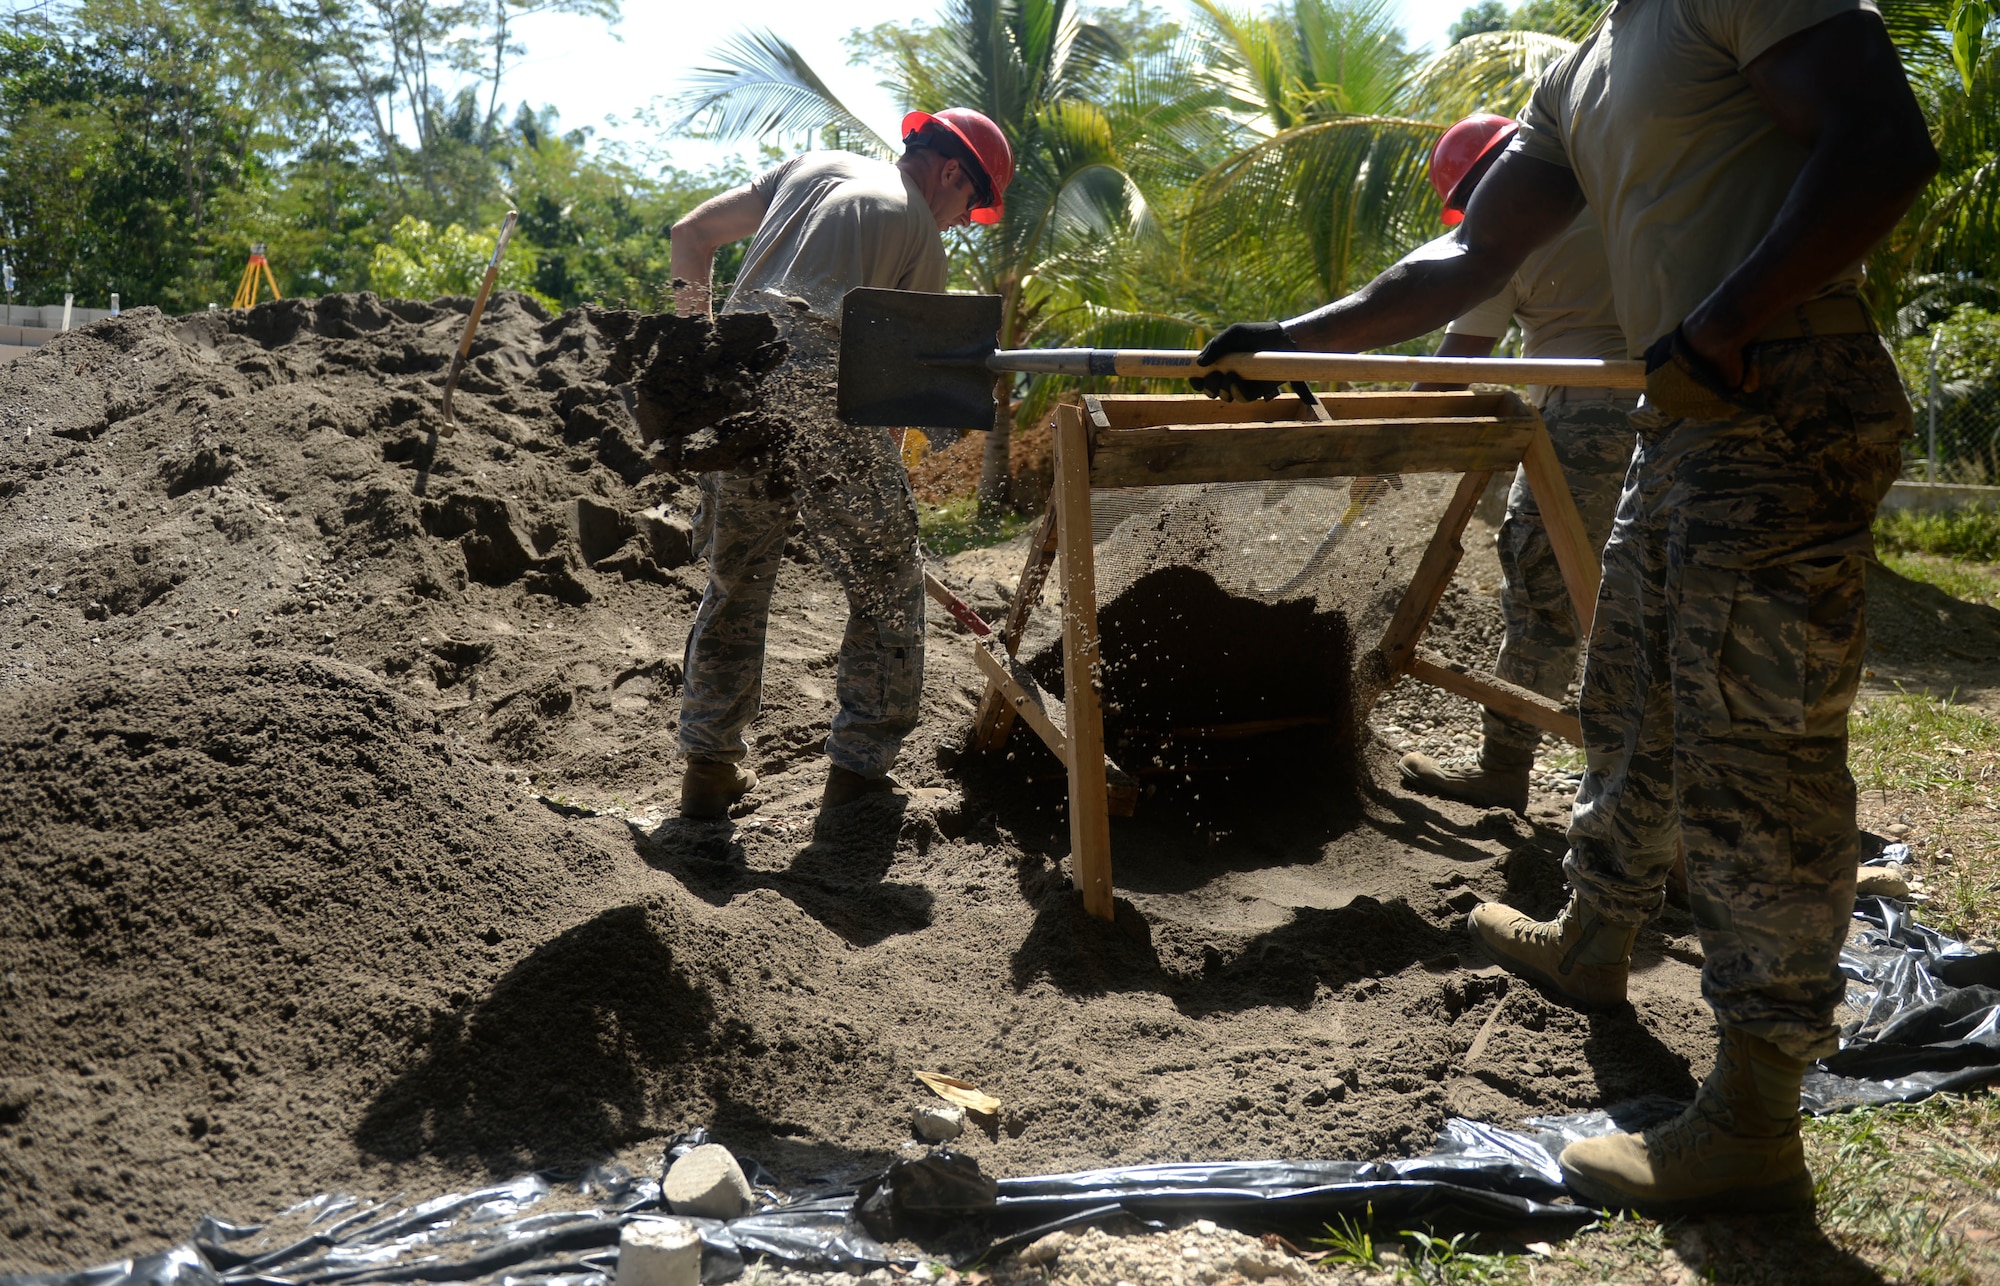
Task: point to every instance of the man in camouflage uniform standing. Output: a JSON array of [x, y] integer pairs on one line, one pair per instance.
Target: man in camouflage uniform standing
[[1561, 298], [1741, 159], [821, 224]]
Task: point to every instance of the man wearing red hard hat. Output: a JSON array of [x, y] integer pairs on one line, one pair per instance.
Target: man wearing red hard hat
[[1561, 299], [821, 224], [1742, 160]]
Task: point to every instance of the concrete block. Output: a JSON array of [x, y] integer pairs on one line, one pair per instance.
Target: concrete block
[[659, 1252], [707, 1183]]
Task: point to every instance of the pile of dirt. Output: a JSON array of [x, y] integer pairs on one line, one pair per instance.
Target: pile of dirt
[[335, 756]]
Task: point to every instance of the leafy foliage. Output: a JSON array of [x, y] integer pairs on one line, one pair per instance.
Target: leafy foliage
[[420, 261]]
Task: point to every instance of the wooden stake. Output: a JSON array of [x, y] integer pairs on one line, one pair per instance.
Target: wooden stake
[[1089, 813]]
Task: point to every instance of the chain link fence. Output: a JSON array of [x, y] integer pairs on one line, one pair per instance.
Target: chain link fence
[[1958, 427]]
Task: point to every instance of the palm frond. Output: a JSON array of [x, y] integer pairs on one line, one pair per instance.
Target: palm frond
[[1493, 71], [764, 87]]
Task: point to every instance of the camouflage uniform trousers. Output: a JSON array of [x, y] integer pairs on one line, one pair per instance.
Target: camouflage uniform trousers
[[861, 522], [1591, 430], [1723, 661]]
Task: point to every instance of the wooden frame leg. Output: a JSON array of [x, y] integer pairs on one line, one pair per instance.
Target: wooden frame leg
[[1089, 811], [1413, 615], [1579, 562], [996, 713]]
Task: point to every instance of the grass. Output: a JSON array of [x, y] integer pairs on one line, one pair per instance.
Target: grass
[[1969, 534], [1973, 583], [956, 526], [1921, 744], [1905, 1194], [1963, 881]]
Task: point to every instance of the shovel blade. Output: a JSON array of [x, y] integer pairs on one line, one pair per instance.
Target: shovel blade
[[909, 359]]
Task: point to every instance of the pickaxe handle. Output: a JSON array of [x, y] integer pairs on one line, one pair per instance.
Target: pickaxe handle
[[1179, 364]]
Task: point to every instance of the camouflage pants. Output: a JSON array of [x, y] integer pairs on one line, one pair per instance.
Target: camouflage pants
[[1591, 431], [861, 522], [1723, 660]]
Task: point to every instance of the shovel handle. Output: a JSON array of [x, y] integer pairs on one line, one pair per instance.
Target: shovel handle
[[478, 310], [1170, 364]]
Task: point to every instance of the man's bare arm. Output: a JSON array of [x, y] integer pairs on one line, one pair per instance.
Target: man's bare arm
[[1520, 204], [1459, 345], [701, 232], [1838, 88]]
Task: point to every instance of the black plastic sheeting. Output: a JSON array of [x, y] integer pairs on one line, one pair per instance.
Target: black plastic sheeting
[[1928, 1020]]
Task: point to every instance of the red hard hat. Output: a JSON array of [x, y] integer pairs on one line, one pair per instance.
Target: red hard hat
[[1461, 149], [987, 143]]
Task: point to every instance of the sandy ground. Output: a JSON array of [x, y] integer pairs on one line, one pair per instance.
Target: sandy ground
[[337, 848]]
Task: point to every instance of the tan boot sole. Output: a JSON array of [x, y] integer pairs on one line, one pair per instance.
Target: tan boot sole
[[708, 808], [1795, 1193]]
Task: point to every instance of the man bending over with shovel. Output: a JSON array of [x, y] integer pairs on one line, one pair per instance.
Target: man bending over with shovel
[[821, 224], [1561, 297], [1741, 159]]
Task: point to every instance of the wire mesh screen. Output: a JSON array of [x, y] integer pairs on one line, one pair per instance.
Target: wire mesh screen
[[1343, 545]]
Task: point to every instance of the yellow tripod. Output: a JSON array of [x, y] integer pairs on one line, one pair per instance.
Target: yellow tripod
[[246, 290]]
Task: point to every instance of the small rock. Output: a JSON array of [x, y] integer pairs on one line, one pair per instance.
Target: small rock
[[1463, 901], [1047, 1250], [1880, 882], [940, 1123], [1897, 830], [707, 1183], [669, 535]]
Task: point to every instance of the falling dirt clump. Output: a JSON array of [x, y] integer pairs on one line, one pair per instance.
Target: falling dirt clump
[[698, 384]]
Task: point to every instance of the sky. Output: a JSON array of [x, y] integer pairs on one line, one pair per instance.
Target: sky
[[602, 79]]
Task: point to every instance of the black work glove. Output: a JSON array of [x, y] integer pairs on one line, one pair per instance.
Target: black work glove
[[1243, 337], [1681, 382]]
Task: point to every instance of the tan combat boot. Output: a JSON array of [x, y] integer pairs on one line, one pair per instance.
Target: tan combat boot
[[1498, 778], [1735, 1148], [1579, 955], [844, 786], [708, 788]]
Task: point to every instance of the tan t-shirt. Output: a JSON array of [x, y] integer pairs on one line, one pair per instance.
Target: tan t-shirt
[[1682, 164], [1562, 298], [834, 221]]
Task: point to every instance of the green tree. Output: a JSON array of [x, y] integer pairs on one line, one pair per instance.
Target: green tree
[[1570, 19], [1488, 15], [119, 126], [597, 222], [1082, 133], [1945, 250], [1329, 183], [420, 261]]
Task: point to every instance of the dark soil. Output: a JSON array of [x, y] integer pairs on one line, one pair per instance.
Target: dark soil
[[334, 752]]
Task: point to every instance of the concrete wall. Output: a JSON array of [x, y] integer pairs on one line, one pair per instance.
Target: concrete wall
[[48, 316], [1928, 497], [26, 327]]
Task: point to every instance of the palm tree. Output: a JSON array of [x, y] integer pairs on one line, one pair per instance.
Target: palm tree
[[1945, 250], [1339, 120], [1085, 123]]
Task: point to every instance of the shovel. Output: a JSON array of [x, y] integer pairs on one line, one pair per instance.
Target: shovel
[[914, 359]]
